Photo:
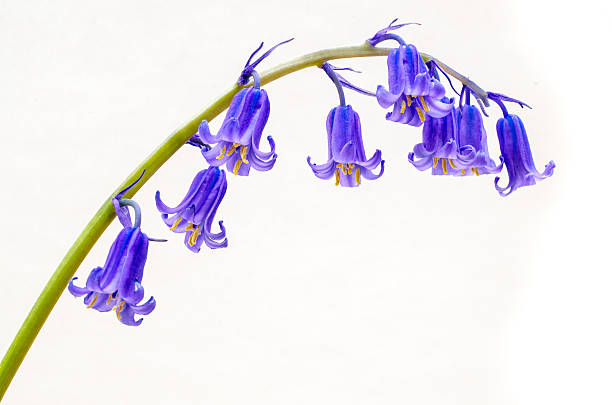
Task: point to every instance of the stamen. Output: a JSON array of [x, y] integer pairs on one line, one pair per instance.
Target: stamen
[[409, 100], [190, 227], [463, 171], [337, 176], [435, 162], [243, 153], [178, 221], [420, 112], [237, 166], [194, 236], [120, 309], [110, 297], [222, 153], [358, 175], [339, 165], [91, 304], [232, 149], [350, 169], [423, 103], [450, 161], [344, 169], [475, 171], [444, 169], [403, 107]]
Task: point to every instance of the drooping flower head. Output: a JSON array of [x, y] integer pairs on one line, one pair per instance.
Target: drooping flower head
[[413, 91], [439, 149], [346, 155], [195, 214], [517, 156], [237, 143], [474, 157], [116, 286]]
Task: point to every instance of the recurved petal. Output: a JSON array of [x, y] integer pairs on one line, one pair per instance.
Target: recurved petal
[[205, 134], [324, 171], [385, 98], [369, 175], [76, 290]]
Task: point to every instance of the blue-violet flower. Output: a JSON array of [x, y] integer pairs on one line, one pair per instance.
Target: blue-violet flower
[[517, 156], [237, 142], [472, 143], [413, 92], [439, 149], [347, 158], [116, 286], [195, 214]]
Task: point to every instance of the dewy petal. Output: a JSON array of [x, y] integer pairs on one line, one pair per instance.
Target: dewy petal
[[517, 156]]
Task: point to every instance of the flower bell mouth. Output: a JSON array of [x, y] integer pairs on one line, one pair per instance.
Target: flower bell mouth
[[421, 107]]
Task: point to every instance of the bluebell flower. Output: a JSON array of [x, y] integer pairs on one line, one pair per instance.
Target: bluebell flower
[[414, 93], [347, 158], [237, 143], [439, 149], [117, 286], [517, 156], [195, 214], [474, 156]]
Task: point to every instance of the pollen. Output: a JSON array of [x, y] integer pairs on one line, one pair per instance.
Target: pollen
[[475, 171], [403, 107], [237, 166], [350, 168], [95, 298], [337, 176], [435, 162], [178, 221], [409, 100], [110, 297], [344, 169], [423, 103], [358, 176], [450, 162], [243, 153], [420, 112], [222, 153], [444, 168]]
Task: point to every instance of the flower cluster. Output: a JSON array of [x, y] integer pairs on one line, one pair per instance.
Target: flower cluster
[[454, 143]]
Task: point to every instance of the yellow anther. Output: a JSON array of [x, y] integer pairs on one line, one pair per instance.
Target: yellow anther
[[237, 166], [222, 153], [243, 153], [435, 162], [475, 171], [178, 221], [409, 100], [194, 236], [350, 169], [337, 176], [91, 304], [344, 169], [232, 149], [423, 103], [120, 309], [444, 169], [110, 297], [358, 176], [338, 165], [403, 107], [450, 161], [463, 171], [190, 227], [420, 112]]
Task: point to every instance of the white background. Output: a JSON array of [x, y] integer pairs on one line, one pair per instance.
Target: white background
[[410, 289]]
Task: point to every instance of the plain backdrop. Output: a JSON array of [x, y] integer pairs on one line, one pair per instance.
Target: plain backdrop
[[411, 289]]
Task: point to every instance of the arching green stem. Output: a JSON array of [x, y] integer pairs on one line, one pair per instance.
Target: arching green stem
[[100, 221]]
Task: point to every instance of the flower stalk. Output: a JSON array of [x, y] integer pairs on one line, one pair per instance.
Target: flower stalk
[[56, 285]]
